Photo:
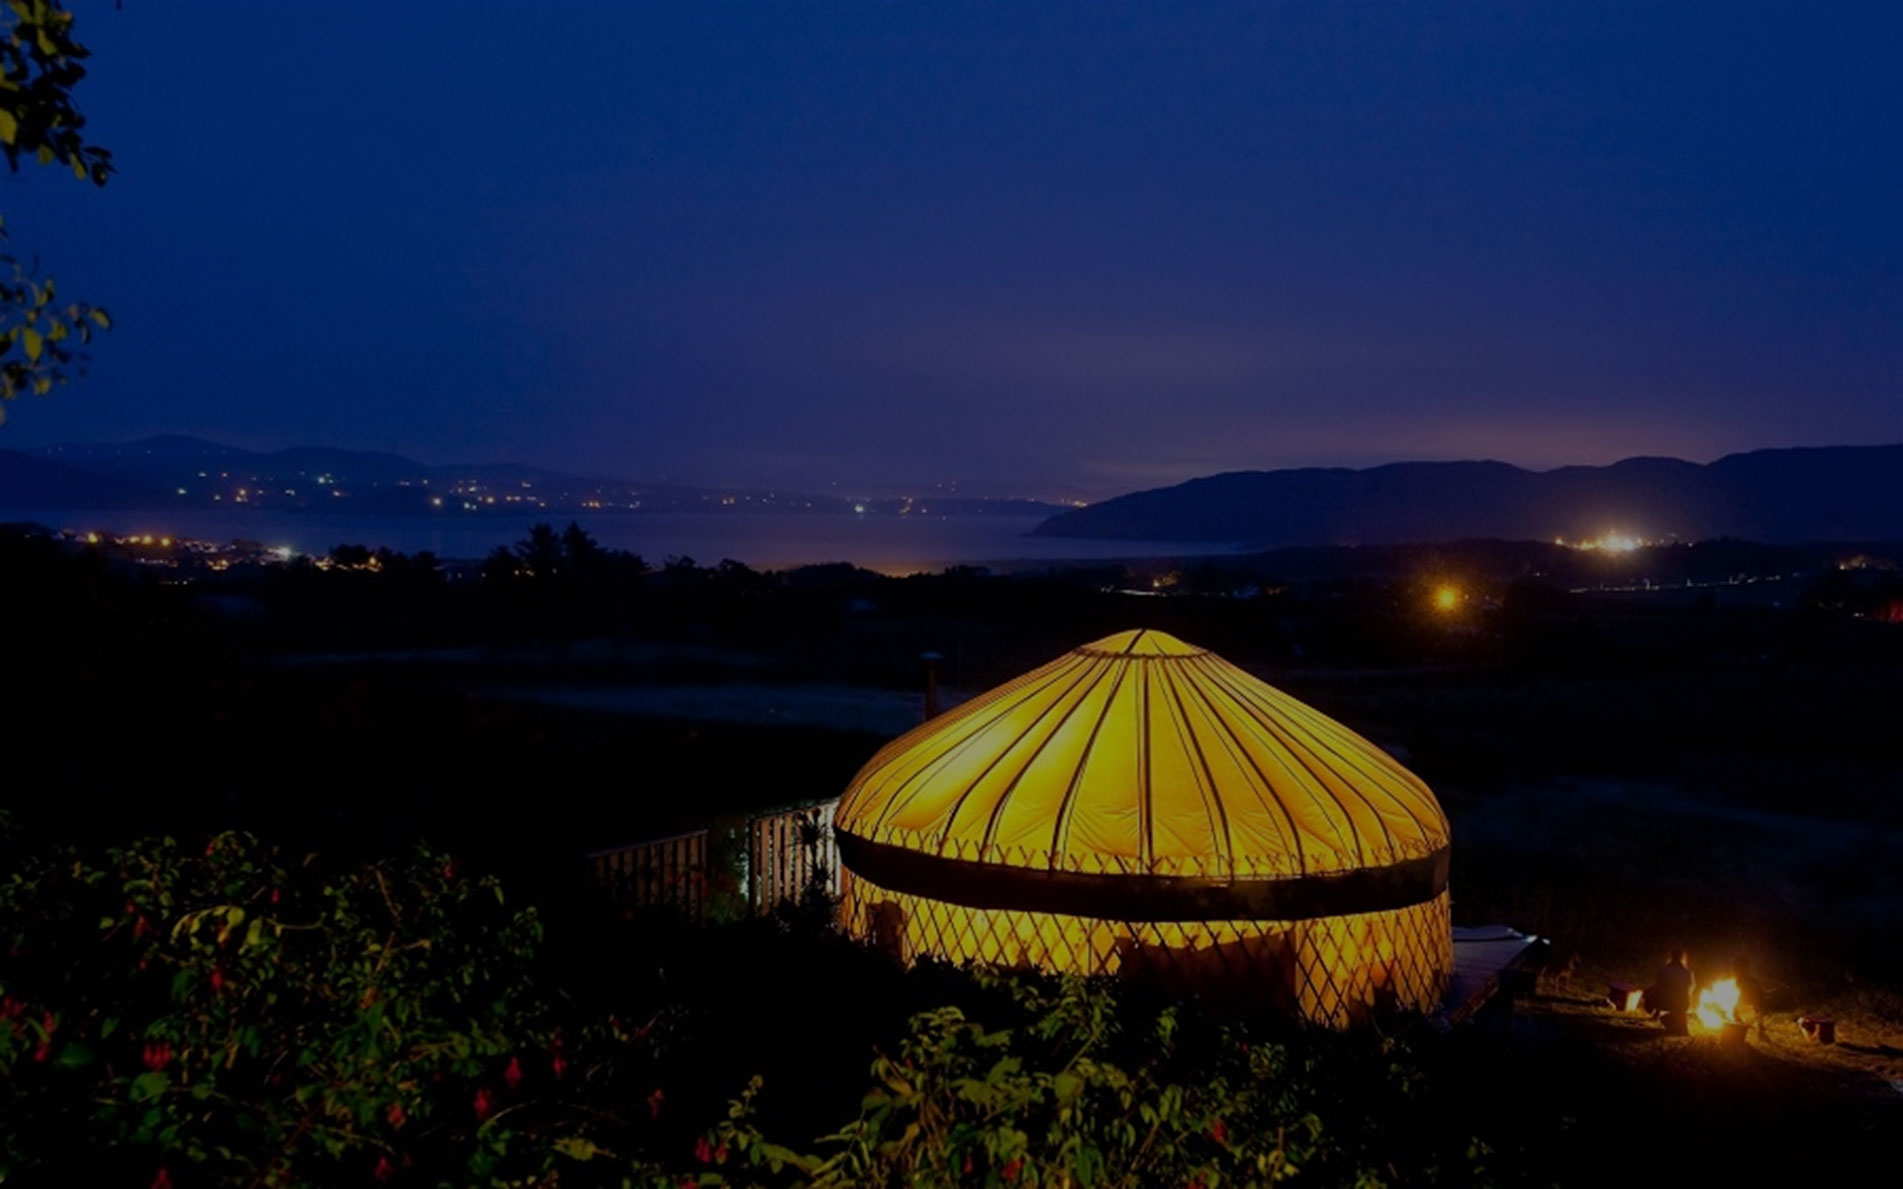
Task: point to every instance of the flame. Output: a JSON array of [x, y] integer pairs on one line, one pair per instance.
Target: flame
[[1718, 1004]]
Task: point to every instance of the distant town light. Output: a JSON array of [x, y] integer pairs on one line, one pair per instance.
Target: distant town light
[[1447, 598], [1611, 542]]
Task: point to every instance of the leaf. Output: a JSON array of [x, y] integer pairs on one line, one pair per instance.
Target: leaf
[[74, 1056], [100, 317], [9, 127], [577, 1147], [33, 343], [148, 1086]]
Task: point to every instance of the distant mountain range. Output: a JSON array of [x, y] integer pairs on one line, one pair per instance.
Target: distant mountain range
[[183, 472], [1835, 493]]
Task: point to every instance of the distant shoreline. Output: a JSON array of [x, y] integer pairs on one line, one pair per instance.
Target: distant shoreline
[[890, 544]]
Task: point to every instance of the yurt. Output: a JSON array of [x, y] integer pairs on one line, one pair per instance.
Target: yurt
[[1139, 806]]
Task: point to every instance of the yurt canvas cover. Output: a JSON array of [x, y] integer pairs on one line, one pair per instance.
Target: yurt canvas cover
[[1141, 806]]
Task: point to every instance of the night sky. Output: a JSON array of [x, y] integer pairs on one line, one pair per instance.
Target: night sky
[[1056, 249]]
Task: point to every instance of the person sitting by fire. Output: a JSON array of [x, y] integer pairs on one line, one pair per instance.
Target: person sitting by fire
[[1750, 994], [1670, 995]]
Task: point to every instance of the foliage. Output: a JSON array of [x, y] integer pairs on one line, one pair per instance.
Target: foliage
[[176, 1016], [1072, 1097], [40, 63]]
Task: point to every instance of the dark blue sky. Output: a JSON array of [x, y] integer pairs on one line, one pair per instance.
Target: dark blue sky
[[1056, 249]]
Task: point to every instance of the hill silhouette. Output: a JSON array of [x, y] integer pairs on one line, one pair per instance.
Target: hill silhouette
[[1807, 494]]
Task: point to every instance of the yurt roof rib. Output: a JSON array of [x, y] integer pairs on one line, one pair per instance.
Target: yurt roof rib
[[1146, 821], [920, 780], [1322, 742], [1263, 787], [1207, 786], [1303, 772], [988, 839], [1327, 734], [1060, 826], [1072, 701]]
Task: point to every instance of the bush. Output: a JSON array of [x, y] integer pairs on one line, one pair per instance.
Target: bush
[[215, 1016], [174, 1016], [1075, 1095]]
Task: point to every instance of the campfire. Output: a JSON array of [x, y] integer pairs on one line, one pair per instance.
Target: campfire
[[1718, 1009], [1718, 1004]]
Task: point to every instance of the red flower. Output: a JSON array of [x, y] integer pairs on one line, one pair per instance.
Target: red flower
[[558, 1065], [513, 1074], [1010, 1171], [275, 895], [484, 1103], [141, 926], [40, 1053], [449, 871], [384, 1170], [396, 1115], [217, 981], [703, 1151], [720, 1154], [654, 1104], [1218, 1132], [967, 1162], [157, 1056], [163, 1180], [690, 1183]]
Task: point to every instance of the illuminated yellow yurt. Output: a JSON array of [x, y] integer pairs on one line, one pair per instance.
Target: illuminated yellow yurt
[[1141, 806]]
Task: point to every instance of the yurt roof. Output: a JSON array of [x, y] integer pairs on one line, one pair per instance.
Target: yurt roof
[[1142, 755]]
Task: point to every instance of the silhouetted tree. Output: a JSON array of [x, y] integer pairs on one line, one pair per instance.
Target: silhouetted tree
[[501, 565], [350, 557], [540, 552], [585, 557]]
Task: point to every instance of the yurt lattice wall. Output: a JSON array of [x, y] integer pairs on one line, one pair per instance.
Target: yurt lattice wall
[[1337, 970]]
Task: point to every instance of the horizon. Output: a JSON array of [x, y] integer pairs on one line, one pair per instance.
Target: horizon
[[1053, 251], [846, 490]]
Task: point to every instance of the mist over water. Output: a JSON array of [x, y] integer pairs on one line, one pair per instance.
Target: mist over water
[[889, 544]]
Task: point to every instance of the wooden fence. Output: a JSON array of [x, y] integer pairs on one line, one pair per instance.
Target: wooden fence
[[668, 873], [786, 854], [789, 854]]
